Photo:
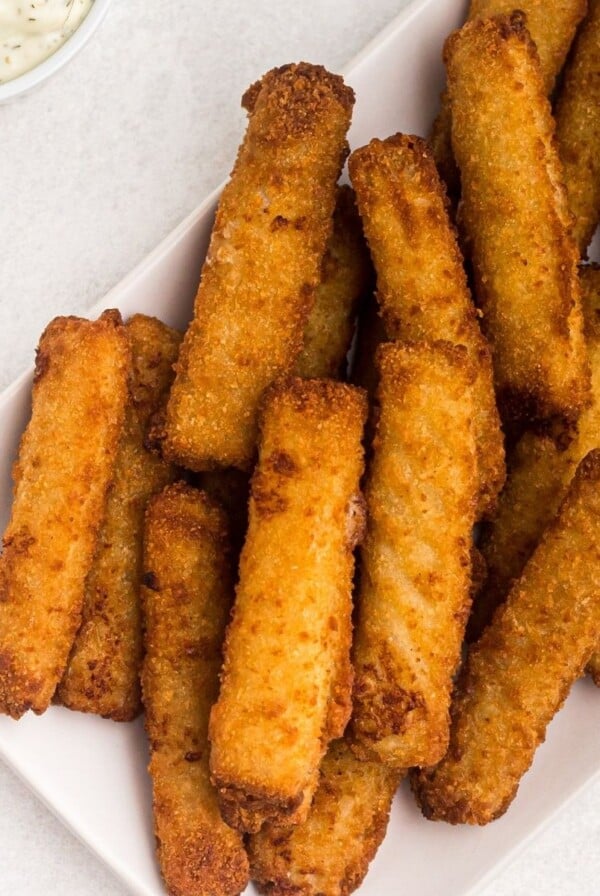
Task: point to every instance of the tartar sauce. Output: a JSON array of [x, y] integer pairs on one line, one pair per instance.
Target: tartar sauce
[[32, 30]]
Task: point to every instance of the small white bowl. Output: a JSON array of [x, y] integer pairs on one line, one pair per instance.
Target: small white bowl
[[30, 80]]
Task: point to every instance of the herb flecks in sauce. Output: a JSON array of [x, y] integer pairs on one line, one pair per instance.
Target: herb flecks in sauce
[[32, 30]]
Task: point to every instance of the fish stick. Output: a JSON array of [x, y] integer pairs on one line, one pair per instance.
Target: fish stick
[[345, 277], [404, 210], [286, 680], [65, 466], [330, 852], [551, 25], [414, 594], [526, 277], [539, 478], [102, 675], [188, 587], [519, 673], [578, 129], [263, 265], [531, 498], [155, 348]]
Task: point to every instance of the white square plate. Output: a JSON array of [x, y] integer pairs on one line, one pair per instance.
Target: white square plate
[[91, 772]]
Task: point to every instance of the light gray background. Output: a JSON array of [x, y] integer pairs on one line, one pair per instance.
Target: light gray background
[[95, 169]]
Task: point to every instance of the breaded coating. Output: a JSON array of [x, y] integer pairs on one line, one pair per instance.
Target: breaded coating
[[478, 570], [578, 129], [330, 852], [536, 484], [346, 275], [551, 25], [65, 465], [519, 673], [421, 284], [188, 587], [525, 275], [540, 473], [102, 675], [263, 265], [414, 594], [286, 680], [155, 348]]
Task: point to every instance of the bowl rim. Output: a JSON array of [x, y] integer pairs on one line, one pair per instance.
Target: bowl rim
[[44, 70]]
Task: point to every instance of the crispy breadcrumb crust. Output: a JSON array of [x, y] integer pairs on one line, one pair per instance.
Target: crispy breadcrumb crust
[[578, 128], [525, 277], [552, 27], [479, 570], [102, 675], [404, 209], [286, 680], [330, 852], [262, 267], [531, 498], [346, 275], [519, 673], [414, 594], [65, 465], [540, 473], [154, 349], [186, 596]]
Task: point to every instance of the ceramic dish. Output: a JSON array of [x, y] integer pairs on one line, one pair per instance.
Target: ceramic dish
[[92, 773], [28, 81]]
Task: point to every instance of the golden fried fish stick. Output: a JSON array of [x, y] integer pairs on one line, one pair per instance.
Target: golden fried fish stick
[[531, 498], [346, 274], [155, 348], [65, 465], [551, 25], [262, 267], [525, 275], [188, 586], [404, 210], [330, 852], [102, 675], [286, 680], [539, 477], [414, 594], [519, 673], [578, 129]]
